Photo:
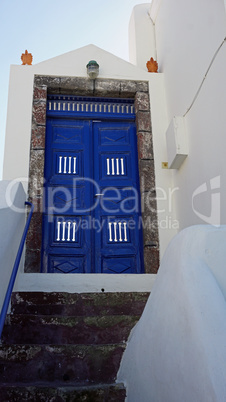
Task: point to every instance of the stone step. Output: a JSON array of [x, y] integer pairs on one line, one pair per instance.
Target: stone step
[[99, 393], [31, 329], [77, 364], [84, 304]]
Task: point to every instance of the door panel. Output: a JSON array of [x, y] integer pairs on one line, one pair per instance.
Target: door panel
[[118, 245], [92, 203], [66, 245]]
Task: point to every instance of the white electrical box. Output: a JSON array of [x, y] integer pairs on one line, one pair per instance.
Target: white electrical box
[[177, 144]]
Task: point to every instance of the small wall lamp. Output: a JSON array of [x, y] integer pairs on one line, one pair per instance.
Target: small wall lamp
[[92, 69]]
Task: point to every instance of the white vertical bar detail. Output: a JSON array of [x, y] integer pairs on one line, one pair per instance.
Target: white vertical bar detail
[[120, 231], [112, 166], [115, 231], [125, 232], [110, 232], [65, 164], [58, 105], [74, 169], [117, 165], [63, 234], [122, 166], [73, 231], [58, 231], [108, 166], [69, 167], [68, 231], [60, 164]]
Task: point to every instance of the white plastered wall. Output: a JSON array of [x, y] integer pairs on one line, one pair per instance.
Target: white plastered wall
[[142, 36], [18, 131], [12, 218], [191, 53], [177, 352]]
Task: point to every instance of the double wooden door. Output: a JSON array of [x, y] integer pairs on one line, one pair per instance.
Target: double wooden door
[[91, 219]]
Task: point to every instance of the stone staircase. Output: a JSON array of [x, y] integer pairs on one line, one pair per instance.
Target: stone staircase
[[66, 347]]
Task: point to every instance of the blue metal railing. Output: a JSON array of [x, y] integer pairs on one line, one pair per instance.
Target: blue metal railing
[[15, 270]]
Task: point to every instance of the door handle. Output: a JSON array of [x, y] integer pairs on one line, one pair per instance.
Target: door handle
[[97, 195]]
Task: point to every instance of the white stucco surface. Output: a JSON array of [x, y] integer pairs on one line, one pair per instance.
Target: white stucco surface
[[85, 283], [19, 118], [12, 218], [177, 351], [142, 44], [19, 112], [72, 64], [187, 36], [191, 54]]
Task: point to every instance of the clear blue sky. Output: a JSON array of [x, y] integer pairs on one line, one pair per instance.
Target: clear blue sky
[[48, 28]]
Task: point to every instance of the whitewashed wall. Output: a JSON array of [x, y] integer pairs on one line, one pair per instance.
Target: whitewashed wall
[[177, 351], [187, 39], [73, 64], [12, 218], [18, 128]]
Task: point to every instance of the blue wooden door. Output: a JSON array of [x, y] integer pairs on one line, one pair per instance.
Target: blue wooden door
[[66, 247], [91, 219], [118, 242]]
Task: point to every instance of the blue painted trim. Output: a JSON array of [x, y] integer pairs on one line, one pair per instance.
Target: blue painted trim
[[15, 270], [89, 99], [88, 107], [88, 116]]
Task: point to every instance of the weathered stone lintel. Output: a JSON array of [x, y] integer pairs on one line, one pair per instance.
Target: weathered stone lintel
[[84, 86]]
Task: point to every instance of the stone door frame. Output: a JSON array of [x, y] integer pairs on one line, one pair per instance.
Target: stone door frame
[[139, 90]]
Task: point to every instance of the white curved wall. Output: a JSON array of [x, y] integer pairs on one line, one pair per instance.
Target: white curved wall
[[177, 351]]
